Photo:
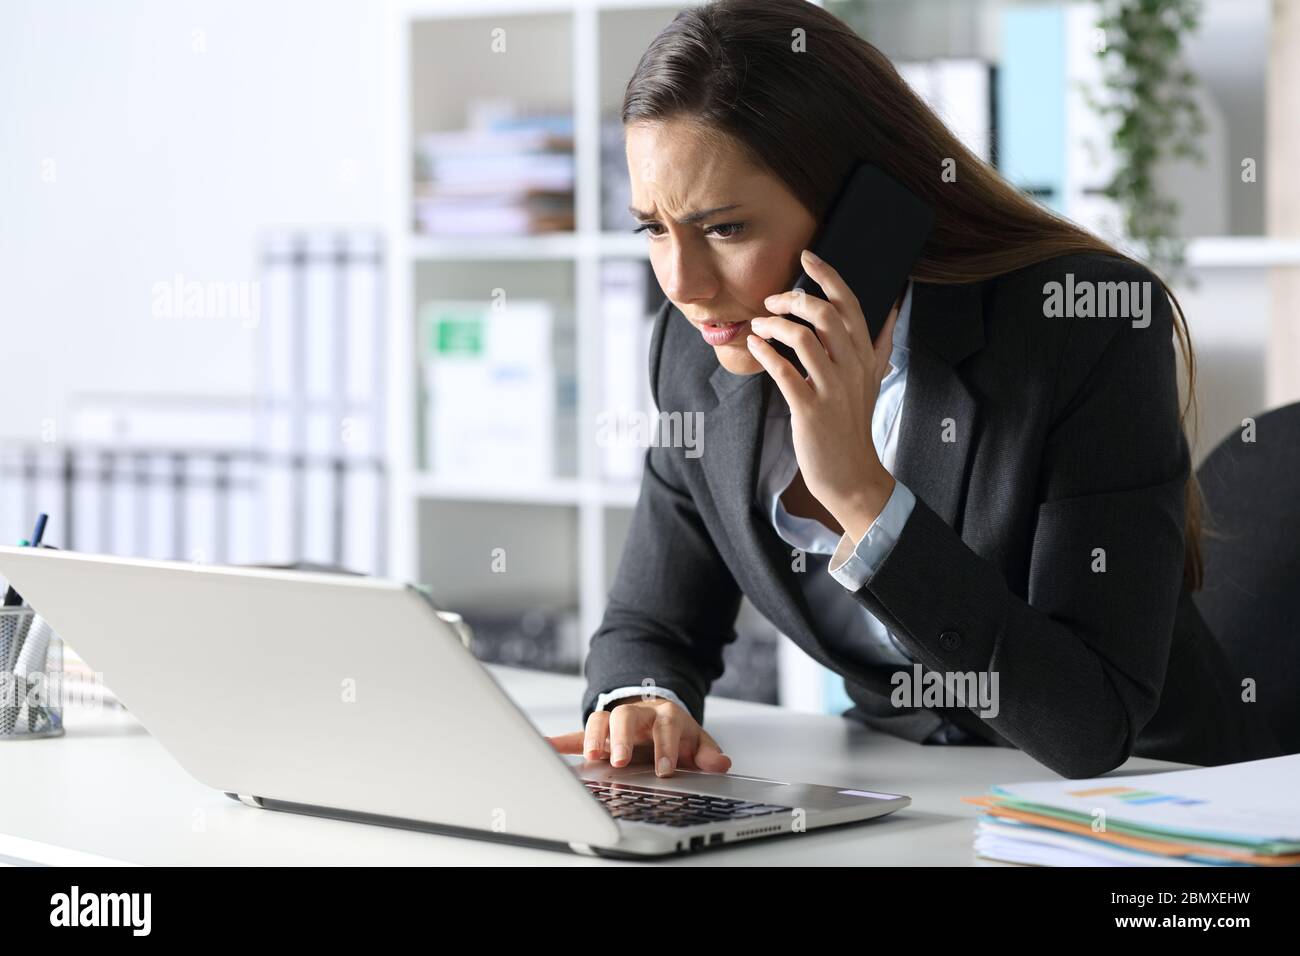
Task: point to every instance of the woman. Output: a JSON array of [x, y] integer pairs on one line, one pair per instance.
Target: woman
[[996, 492]]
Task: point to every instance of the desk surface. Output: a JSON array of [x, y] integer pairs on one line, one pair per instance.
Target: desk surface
[[107, 790]]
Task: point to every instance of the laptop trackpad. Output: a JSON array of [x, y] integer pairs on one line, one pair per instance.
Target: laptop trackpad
[[641, 774]]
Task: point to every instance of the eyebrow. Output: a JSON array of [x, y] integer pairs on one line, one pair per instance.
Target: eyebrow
[[690, 217]]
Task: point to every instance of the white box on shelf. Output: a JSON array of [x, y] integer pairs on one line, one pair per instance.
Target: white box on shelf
[[489, 389]]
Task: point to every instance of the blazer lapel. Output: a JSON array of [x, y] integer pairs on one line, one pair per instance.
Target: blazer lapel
[[732, 447], [940, 416]]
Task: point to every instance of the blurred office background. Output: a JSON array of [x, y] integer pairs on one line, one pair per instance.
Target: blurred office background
[[253, 258]]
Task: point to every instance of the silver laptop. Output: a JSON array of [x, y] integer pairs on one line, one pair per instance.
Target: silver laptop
[[351, 697]]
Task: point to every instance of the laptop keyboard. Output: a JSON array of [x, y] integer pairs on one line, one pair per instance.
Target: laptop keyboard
[[671, 808]]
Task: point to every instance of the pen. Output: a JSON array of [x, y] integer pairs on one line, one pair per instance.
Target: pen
[[39, 533], [12, 598]]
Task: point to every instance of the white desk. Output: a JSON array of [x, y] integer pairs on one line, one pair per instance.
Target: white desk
[[108, 790]]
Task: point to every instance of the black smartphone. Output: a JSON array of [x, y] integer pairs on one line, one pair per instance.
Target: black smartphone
[[872, 236]]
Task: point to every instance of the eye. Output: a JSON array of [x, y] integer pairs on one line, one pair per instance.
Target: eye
[[735, 229]]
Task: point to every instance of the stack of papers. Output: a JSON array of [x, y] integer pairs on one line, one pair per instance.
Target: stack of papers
[[1243, 814]]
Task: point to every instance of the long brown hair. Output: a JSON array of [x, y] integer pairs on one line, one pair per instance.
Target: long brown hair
[[810, 114]]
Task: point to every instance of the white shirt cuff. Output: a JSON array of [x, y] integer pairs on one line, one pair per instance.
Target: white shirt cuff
[[854, 565], [648, 690]]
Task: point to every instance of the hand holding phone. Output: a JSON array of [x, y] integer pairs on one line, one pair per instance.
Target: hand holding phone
[[872, 236]]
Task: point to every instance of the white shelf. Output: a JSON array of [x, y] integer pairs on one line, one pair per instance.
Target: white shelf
[[556, 491], [549, 246], [1242, 252], [560, 245]]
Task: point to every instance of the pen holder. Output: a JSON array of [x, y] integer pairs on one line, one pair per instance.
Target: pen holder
[[31, 676]]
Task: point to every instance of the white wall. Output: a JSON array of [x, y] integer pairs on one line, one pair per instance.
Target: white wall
[[177, 133]]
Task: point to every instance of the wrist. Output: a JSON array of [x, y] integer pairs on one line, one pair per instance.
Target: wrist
[[860, 512]]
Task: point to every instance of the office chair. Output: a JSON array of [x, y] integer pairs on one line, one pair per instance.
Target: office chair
[[1251, 593]]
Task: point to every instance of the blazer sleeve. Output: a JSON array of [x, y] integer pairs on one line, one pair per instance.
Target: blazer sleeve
[[1080, 660], [673, 606]]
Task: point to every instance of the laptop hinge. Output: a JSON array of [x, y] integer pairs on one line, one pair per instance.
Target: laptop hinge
[[249, 800]]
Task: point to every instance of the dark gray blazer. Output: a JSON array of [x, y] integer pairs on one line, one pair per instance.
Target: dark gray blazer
[[1065, 438]]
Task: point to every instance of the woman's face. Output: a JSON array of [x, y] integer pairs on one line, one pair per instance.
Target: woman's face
[[723, 234]]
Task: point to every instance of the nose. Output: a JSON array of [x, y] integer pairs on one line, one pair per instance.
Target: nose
[[685, 274]]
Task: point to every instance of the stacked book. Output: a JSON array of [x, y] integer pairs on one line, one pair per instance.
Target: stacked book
[[505, 176], [1242, 814]]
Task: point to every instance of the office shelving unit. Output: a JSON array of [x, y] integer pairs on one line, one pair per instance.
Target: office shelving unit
[[578, 52]]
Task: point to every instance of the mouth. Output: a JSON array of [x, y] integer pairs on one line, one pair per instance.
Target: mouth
[[721, 333]]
